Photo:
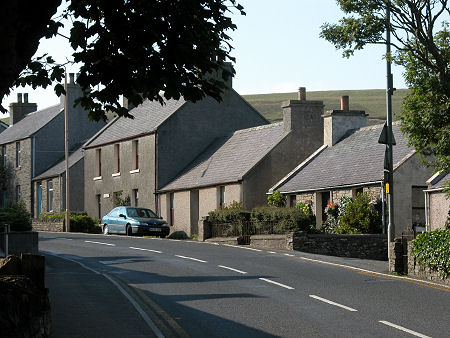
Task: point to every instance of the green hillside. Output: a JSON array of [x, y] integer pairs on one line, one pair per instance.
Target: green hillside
[[5, 120], [372, 101]]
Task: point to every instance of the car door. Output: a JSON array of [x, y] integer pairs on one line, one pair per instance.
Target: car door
[[122, 221], [113, 220]]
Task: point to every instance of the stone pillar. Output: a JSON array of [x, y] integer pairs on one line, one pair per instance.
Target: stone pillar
[[204, 229], [396, 256]]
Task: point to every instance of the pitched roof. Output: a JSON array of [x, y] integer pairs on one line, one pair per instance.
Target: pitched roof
[[438, 180], [60, 167], [30, 124], [357, 159], [147, 117], [228, 158]]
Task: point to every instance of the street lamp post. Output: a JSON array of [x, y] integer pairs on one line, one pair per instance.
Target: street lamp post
[[66, 146]]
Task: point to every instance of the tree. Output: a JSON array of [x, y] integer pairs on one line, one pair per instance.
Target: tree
[[421, 41], [140, 49]]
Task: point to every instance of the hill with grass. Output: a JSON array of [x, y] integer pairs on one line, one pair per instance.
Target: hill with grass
[[372, 101], [5, 120]]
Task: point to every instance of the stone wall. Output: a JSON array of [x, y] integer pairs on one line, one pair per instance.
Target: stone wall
[[280, 242], [48, 225], [355, 246], [420, 271], [21, 242]]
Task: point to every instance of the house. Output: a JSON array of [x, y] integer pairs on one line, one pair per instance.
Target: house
[[35, 141], [352, 161], [3, 126], [242, 166], [50, 186], [136, 157], [437, 206]]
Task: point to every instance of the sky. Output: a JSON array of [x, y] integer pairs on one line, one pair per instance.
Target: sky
[[277, 49]]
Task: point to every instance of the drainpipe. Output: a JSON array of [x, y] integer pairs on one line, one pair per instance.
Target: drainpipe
[[156, 171], [426, 212], [383, 209]]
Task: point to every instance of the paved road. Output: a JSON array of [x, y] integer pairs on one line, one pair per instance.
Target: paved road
[[187, 288]]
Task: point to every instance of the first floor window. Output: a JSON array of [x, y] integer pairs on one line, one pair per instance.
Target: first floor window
[[49, 196], [17, 154], [18, 196]]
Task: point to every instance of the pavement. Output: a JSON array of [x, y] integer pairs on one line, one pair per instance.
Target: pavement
[[85, 303]]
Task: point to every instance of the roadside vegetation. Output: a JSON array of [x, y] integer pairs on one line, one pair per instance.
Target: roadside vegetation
[[16, 215], [78, 222]]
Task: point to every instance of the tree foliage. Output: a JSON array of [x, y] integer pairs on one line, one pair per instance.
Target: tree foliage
[[140, 49], [421, 44]]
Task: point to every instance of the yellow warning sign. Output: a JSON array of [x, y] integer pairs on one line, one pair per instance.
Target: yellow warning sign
[[387, 188]]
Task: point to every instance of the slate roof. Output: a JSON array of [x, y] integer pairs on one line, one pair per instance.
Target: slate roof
[[147, 117], [228, 158], [60, 167], [357, 159], [30, 124], [440, 181]]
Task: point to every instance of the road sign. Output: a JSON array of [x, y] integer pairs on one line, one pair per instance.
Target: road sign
[[383, 136]]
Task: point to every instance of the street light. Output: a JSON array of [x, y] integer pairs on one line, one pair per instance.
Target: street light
[[66, 146]]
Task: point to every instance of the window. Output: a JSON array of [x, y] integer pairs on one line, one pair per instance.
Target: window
[[172, 210], [292, 201], [17, 154], [4, 156], [99, 206], [356, 192], [135, 197], [18, 193], [4, 198], [221, 196], [117, 158], [135, 155], [98, 162], [49, 196]]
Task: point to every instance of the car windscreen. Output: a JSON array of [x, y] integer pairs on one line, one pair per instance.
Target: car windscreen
[[140, 212]]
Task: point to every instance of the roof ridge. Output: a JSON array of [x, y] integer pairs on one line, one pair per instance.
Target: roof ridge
[[264, 126]]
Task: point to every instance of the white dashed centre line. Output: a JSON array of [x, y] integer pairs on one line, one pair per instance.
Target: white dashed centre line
[[100, 243], [271, 252], [276, 283], [333, 303], [192, 259], [228, 268], [289, 255], [403, 329], [150, 250]]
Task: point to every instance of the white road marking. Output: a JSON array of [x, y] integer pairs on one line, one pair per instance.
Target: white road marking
[[228, 268], [67, 239], [144, 316], [117, 261], [145, 249], [333, 303], [276, 283], [193, 259], [271, 252], [240, 247], [289, 255], [100, 243], [404, 329]]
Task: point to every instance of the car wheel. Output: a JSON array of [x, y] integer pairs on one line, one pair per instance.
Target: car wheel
[[163, 236], [129, 231], [105, 229]]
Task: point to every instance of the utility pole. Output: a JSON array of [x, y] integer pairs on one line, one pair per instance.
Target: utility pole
[[389, 185], [66, 142]]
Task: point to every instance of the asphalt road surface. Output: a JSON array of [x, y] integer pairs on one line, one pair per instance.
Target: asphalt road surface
[[131, 286]]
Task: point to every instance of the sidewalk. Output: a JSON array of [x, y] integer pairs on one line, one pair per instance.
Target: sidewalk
[[80, 296]]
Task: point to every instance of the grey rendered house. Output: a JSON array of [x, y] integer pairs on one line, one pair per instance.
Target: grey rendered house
[[50, 186], [35, 142], [136, 157], [352, 161], [436, 202], [242, 166]]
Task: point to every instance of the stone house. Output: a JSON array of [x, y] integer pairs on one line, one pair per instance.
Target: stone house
[[35, 141], [136, 157], [50, 186], [242, 166], [352, 161], [3, 126], [437, 205]]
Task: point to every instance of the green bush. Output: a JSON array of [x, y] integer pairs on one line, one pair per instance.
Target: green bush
[[284, 220], [84, 223], [276, 199], [305, 208], [228, 215], [432, 249], [17, 216], [361, 216]]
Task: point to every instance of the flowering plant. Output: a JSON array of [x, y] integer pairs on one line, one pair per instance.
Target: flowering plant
[[332, 209]]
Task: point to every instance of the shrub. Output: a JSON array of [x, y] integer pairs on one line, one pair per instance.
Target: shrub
[[305, 208], [84, 223], [235, 212], [17, 216], [361, 216], [283, 219], [119, 201], [276, 199], [433, 250]]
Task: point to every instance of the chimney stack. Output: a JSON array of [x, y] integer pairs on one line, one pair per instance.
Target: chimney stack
[[72, 78], [302, 93], [18, 110], [336, 123]]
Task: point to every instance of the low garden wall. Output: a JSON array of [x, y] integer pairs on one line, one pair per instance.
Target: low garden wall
[[48, 225], [354, 246]]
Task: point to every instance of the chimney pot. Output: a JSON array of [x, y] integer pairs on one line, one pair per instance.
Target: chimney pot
[[19, 97], [25, 97], [344, 102], [302, 93], [72, 78]]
